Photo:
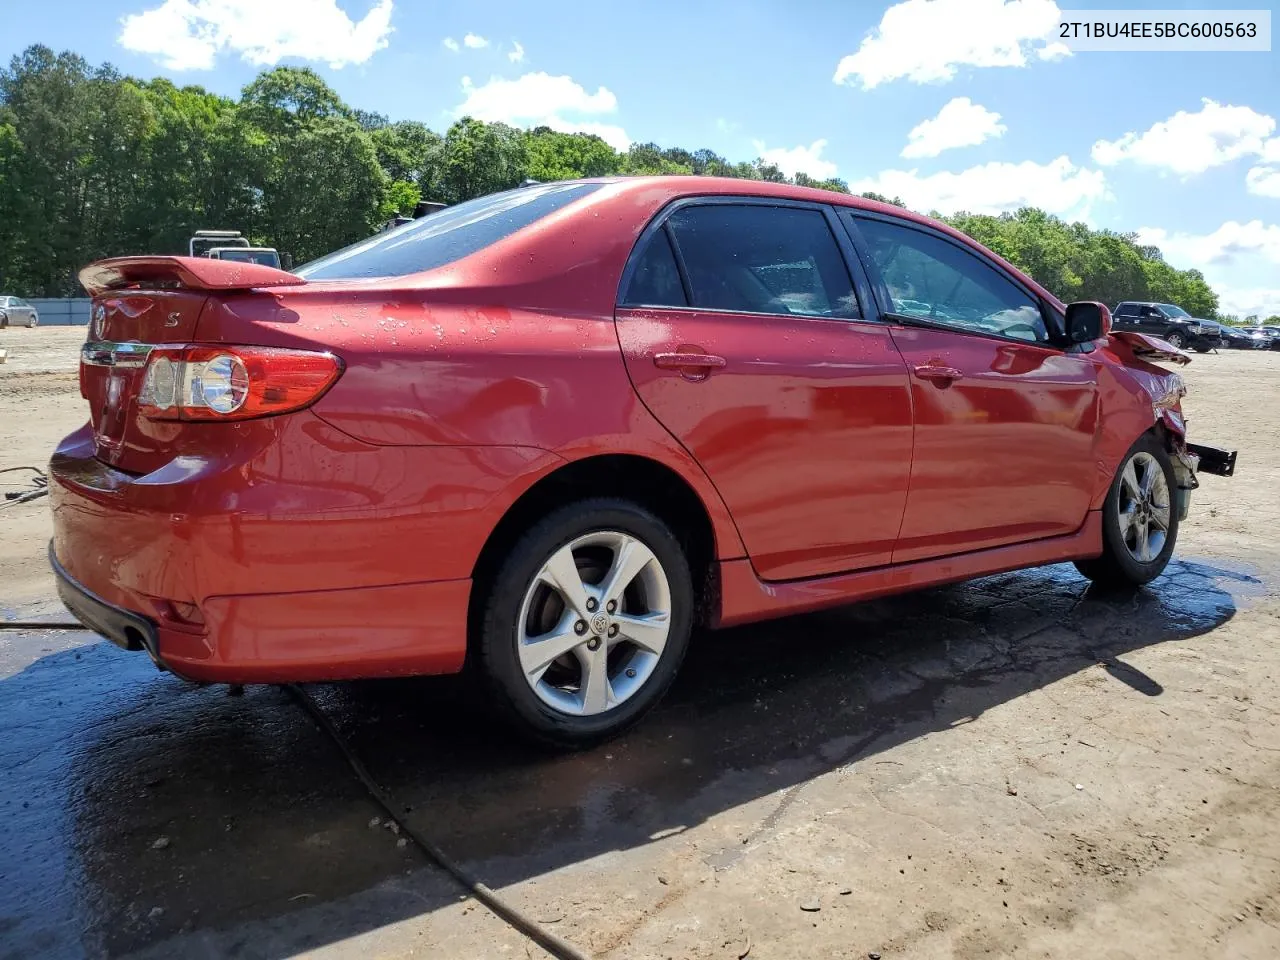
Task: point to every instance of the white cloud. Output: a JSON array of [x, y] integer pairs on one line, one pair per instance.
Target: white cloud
[[926, 41], [451, 44], [1059, 187], [1190, 143], [516, 54], [1230, 242], [960, 123], [799, 159], [189, 34], [1238, 260], [1263, 181], [474, 42], [1247, 301], [538, 99]]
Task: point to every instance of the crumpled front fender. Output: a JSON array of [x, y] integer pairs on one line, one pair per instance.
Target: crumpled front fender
[[1140, 346]]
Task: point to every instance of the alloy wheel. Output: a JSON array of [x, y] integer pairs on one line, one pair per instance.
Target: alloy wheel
[[594, 623], [1145, 507]]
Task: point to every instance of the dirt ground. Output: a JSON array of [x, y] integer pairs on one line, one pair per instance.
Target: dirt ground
[[1017, 766]]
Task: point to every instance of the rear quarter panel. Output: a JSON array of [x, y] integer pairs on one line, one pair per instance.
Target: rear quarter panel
[[514, 346]]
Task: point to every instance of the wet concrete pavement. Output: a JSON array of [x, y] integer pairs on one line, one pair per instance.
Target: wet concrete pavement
[[140, 813]]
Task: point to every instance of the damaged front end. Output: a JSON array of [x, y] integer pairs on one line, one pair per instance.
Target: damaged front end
[[1167, 390]]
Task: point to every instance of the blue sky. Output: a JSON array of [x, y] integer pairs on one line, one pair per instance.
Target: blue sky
[[951, 104]]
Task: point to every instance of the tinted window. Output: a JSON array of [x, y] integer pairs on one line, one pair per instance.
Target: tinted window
[[933, 279], [446, 236], [655, 278], [758, 259], [1127, 310]]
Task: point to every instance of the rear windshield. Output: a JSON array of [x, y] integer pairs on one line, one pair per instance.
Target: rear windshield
[[446, 236]]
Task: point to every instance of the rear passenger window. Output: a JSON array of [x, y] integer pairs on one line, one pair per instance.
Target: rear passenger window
[[655, 280], [751, 258]]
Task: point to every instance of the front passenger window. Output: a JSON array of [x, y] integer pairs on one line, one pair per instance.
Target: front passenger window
[[933, 279]]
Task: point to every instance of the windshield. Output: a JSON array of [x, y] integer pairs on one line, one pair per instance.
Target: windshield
[[446, 236], [1171, 311]]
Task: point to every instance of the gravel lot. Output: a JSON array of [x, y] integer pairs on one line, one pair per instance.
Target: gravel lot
[[1018, 766]]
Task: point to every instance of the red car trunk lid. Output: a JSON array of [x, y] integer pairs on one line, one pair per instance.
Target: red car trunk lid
[[140, 302]]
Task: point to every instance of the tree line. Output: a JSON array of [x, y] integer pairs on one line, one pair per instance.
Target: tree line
[[94, 164]]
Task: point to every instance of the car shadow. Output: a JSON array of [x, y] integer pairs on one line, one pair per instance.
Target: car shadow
[[156, 808]]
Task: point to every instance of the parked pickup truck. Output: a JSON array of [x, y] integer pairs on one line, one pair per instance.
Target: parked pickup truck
[[1168, 322]]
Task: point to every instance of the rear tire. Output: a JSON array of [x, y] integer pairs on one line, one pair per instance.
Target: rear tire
[[585, 623], [1139, 519]]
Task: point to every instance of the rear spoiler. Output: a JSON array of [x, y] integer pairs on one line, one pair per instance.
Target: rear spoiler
[[191, 273]]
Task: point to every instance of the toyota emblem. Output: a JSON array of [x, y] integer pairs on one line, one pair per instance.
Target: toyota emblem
[[99, 319], [599, 623]]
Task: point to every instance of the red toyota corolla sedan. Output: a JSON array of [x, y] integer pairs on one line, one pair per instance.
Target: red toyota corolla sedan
[[550, 431]]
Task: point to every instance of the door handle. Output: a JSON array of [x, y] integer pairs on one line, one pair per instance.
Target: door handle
[[939, 375], [689, 364]]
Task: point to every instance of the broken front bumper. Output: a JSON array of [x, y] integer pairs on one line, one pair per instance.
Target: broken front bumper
[[1220, 463], [1193, 458]]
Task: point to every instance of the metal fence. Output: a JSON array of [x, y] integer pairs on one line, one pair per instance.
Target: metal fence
[[62, 311]]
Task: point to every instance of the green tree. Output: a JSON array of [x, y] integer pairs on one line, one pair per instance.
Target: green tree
[[481, 158], [408, 151], [881, 198], [648, 159], [313, 165], [97, 164], [567, 156]]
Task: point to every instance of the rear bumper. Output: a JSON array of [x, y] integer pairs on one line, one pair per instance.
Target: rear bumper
[[241, 571], [403, 630], [124, 628]]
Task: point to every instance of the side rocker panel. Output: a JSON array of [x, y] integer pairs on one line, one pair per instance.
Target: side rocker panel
[[745, 598]]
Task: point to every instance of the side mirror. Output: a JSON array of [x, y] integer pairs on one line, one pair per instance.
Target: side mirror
[[1087, 321]]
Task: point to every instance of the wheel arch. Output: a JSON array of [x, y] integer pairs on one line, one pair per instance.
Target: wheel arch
[[643, 480]]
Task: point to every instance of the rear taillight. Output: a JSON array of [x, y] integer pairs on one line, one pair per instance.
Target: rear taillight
[[232, 383]]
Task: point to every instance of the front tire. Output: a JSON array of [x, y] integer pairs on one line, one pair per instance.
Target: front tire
[[1175, 339], [1139, 519], [586, 622], [31, 324]]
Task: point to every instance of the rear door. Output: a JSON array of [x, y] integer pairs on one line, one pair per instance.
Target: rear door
[[1005, 419], [743, 334]]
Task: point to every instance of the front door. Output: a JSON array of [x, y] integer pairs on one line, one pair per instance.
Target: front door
[[743, 336], [1005, 420]]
